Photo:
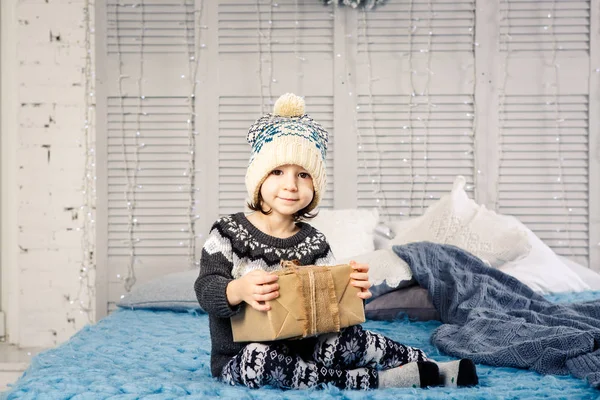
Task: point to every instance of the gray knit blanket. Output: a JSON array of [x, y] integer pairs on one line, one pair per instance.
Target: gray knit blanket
[[495, 319]]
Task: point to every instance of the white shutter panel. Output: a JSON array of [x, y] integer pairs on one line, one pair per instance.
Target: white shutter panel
[[544, 128], [415, 133], [415, 166], [146, 152], [261, 51]]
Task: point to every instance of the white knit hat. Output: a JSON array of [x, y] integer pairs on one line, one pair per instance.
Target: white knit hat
[[287, 136]]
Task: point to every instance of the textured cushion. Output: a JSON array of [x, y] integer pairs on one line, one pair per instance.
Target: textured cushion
[[387, 271], [349, 232], [412, 302], [170, 292], [457, 220]]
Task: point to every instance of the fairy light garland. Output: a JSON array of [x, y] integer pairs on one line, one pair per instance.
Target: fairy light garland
[[193, 65], [502, 101], [259, 35], [131, 177], [557, 119], [86, 291], [260, 55], [473, 117], [426, 92], [270, 47], [380, 198], [558, 122]]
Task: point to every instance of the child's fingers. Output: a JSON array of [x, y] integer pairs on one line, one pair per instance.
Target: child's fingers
[[266, 297], [359, 267], [364, 285], [265, 278], [365, 295], [359, 276], [260, 306], [264, 289]]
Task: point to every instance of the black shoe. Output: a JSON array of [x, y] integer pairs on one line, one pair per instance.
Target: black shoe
[[429, 373], [467, 373]]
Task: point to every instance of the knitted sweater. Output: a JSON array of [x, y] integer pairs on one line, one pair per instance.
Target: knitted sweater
[[233, 248]]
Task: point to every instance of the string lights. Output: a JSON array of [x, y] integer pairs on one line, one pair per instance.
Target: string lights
[[380, 199], [558, 120], [131, 167], [132, 162], [193, 64], [550, 28], [86, 292], [261, 60], [412, 105], [426, 93]]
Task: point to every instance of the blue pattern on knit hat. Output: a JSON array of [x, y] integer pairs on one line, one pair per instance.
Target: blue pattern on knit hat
[[270, 127]]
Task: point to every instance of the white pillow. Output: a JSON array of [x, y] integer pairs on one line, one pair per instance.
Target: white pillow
[[543, 271], [387, 271], [349, 232], [457, 220], [589, 276]]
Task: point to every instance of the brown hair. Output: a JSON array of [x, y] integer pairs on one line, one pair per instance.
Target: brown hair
[[298, 216]]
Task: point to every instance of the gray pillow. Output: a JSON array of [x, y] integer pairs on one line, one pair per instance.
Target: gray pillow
[[413, 302], [170, 292]]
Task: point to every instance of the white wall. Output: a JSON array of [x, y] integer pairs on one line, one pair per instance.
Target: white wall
[[43, 167]]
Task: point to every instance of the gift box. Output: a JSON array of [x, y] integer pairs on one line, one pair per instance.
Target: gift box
[[312, 300]]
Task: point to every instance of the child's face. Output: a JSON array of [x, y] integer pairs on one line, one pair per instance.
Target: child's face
[[287, 190]]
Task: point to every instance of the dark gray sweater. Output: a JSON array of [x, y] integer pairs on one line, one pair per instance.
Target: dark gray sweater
[[233, 248]]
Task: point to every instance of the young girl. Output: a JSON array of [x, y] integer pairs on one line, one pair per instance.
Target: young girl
[[285, 180]]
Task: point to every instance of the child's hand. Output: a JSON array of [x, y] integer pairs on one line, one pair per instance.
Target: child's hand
[[255, 288], [360, 279]]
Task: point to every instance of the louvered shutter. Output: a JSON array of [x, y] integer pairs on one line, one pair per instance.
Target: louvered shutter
[[544, 121], [470, 100], [415, 112], [259, 51], [145, 147]]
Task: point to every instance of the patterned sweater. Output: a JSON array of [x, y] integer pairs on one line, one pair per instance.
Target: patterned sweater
[[233, 248]]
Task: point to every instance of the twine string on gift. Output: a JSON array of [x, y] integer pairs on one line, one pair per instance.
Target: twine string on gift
[[317, 293]]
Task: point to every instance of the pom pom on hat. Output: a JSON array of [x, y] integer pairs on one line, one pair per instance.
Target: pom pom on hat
[[289, 105]]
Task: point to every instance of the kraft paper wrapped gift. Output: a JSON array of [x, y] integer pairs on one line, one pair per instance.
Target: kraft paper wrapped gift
[[312, 300]]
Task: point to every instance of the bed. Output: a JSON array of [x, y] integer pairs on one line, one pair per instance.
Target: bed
[[157, 345], [160, 354]]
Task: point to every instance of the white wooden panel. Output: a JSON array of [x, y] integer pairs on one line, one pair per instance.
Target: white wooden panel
[[419, 26], [415, 112], [594, 136], [544, 172], [544, 121], [141, 172], [535, 26], [274, 27], [396, 85], [409, 154], [150, 26], [146, 100]]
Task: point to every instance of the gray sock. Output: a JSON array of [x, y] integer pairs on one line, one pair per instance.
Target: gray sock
[[458, 373], [414, 374]]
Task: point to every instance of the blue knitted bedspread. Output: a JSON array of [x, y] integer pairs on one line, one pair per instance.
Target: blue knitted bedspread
[[166, 355], [495, 319]]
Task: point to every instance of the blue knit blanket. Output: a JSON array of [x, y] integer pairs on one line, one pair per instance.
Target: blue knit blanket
[[495, 319]]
